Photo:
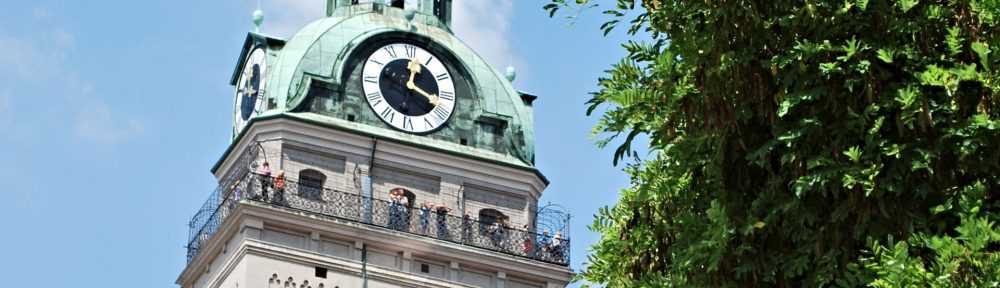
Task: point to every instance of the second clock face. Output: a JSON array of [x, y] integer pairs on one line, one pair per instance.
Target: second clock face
[[408, 87], [250, 89]]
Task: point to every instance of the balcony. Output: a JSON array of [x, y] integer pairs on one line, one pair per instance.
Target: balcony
[[352, 206]]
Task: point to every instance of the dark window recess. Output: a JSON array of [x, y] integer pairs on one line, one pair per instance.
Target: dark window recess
[[320, 97], [271, 103], [490, 134], [311, 184], [491, 131], [424, 268], [463, 141], [350, 117], [489, 128], [321, 272]]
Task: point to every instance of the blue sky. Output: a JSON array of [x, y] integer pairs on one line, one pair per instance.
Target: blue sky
[[113, 112]]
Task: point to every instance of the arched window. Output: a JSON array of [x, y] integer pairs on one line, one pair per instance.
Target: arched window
[[311, 184], [487, 217]]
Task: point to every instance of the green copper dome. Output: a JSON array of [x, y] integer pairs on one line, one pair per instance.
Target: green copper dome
[[317, 76]]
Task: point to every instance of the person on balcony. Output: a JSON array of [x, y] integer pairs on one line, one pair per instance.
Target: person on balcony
[[232, 198], [265, 179], [527, 240], [544, 246], [505, 231], [403, 210], [442, 221], [493, 231], [557, 248], [394, 204], [467, 228], [425, 215], [279, 188], [237, 193]]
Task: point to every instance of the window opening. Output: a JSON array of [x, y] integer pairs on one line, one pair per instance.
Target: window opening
[[311, 184], [489, 217], [320, 272]]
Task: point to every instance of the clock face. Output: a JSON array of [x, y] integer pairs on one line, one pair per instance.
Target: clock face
[[250, 89], [408, 88]]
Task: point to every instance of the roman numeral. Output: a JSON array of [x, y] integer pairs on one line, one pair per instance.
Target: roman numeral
[[380, 64], [427, 124], [443, 76], [441, 112], [411, 51], [429, 61], [448, 95], [392, 51], [371, 79], [375, 98], [407, 123], [388, 114]]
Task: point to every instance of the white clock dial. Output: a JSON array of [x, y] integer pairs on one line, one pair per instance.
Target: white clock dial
[[250, 89], [408, 88]]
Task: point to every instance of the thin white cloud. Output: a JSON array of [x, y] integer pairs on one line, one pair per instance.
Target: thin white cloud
[[61, 40], [23, 59], [31, 62], [485, 26], [39, 53], [95, 123], [5, 112], [282, 18], [38, 62]]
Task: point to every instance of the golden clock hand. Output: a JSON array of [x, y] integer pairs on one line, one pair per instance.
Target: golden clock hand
[[247, 87], [248, 90], [414, 68], [430, 97]]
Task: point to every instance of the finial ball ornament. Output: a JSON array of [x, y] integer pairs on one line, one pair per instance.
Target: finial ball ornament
[[258, 17], [511, 74]]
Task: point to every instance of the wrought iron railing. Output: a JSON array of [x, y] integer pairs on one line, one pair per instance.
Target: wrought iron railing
[[442, 225]]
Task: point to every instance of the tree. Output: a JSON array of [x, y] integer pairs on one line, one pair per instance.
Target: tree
[[801, 143]]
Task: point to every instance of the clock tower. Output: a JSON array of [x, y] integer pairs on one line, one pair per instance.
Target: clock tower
[[374, 148]]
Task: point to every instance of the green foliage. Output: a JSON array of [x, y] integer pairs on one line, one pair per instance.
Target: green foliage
[[801, 143], [961, 258]]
